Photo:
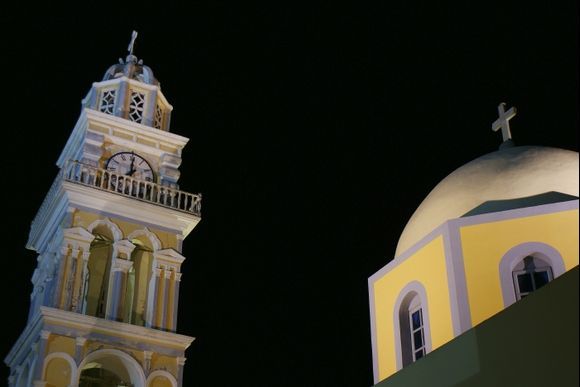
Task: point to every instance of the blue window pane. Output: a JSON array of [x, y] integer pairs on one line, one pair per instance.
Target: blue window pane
[[525, 283], [419, 354], [541, 278], [418, 339], [416, 317]]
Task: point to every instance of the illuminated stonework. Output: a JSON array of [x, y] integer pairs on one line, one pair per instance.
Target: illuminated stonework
[[489, 234], [106, 288]]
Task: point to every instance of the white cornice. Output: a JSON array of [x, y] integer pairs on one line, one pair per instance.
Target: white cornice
[[114, 328], [114, 205], [106, 204], [81, 323]]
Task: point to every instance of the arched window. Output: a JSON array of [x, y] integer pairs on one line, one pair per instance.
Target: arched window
[[527, 267], [412, 325], [531, 274]]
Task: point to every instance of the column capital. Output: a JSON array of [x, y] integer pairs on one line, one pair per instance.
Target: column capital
[[45, 335], [86, 255], [167, 274], [80, 341], [124, 247], [157, 271], [147, 355], [178, 276], [122, 265], [64, 249], [181, 361]]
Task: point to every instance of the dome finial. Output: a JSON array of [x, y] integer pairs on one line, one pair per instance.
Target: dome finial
[[503, 123]]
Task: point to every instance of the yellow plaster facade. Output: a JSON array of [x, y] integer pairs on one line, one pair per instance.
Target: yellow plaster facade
[[484, 245], [426, 266]]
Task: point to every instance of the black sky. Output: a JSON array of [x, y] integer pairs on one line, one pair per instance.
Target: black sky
[[315, 132]]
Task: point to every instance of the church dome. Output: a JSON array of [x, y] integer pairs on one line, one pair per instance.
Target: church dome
[[131, 68], [508, 173]]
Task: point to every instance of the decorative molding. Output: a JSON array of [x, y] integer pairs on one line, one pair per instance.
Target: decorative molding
[[89, 324], [131, 365], [66, 357], [155, 242], [170, 256], [117, 233], [124, 247], [417, 288], [162, 374], [516, 254]]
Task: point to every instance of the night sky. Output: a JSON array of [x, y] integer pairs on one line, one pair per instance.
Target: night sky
[[315, 133]]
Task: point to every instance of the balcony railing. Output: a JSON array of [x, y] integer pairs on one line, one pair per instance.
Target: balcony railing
[[146, 191]]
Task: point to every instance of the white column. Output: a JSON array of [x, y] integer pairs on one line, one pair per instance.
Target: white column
[[165, 308], [147, 355], [176, 283], [70, 272], [80, 349], [117, 288], [60, 282], [79, 282], [153, 299]]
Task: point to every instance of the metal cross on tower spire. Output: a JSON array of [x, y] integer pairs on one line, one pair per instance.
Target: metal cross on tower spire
[[132, 43]]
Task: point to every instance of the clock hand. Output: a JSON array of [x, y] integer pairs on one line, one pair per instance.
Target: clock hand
[[132, 169]]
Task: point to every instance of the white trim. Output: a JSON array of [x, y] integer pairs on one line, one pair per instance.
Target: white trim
[[119, 206], [412, 289], [65, 356], [131, 365], [89, 324], [117, 233], [155, 242], [515, 255], [161, 373]]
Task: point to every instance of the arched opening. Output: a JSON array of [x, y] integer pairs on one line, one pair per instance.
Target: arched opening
[[160, 381], [99, 269], [161, 378], [110, 368], [138, 281], [530, 274], [412, 326], [58, 372], [527, 267]]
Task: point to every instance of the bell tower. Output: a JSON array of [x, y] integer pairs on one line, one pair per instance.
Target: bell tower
[[109, 236]]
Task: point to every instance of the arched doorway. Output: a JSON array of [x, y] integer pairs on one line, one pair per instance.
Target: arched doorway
[[110, 368]]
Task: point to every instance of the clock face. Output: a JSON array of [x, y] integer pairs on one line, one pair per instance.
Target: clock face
[[130, 164]]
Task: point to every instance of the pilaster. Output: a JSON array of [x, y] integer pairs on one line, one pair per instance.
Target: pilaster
[[176, 283], [40, 354], [180, 365]]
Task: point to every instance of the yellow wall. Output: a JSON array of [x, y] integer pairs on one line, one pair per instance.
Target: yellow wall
[[164, 362], [160, 381], [485, 244], [58, 373], [58, 343], [426, 266]]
